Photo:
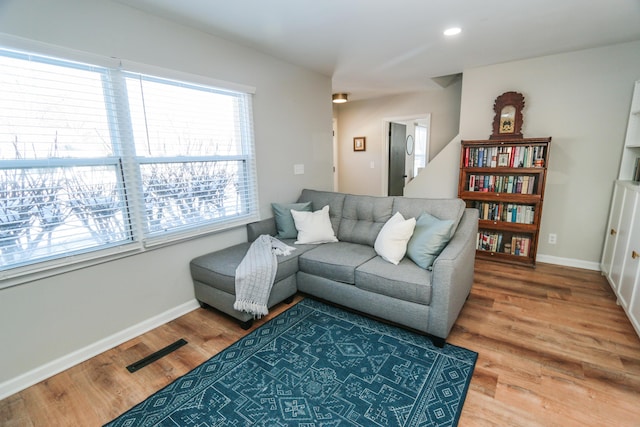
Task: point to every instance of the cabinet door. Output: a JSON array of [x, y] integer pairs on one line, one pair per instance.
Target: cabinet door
[[629, 276], [634, 307], [622, 240], [612, 230]]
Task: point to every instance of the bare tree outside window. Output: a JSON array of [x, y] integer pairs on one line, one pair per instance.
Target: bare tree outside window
[[175, 193]]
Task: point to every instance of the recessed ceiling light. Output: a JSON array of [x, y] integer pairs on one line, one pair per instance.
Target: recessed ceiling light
[[340, 98], [452, 31]]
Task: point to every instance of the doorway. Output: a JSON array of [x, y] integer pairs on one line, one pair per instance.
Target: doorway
[[399, 156], [397, 159]]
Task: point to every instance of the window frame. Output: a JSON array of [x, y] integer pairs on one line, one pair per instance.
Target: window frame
[[128, 166], [424, 146]]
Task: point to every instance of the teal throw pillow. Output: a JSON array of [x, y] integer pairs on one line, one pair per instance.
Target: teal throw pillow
[[284, 221], [430, 236]]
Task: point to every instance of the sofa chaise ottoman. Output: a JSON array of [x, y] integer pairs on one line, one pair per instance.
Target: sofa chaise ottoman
[[350, 272]]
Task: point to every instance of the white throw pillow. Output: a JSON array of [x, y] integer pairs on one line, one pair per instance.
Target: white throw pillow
[[391, 243], [314, 227]]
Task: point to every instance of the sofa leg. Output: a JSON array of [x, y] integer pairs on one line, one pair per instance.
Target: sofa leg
[[288, 300], [246, 324], [438, 342]]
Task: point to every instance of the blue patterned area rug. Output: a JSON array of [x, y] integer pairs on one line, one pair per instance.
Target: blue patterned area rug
[[317, 366]]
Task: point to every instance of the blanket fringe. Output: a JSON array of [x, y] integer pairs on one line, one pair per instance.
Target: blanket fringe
[[251, 307], [256, 274]]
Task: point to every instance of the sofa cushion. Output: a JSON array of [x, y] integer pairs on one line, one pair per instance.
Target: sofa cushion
[[336, 261], [391, 243], [440, 208], [430, 236], [320, 199], [314, 227], [284, 220], [363, 218], [219, 268], [405, 281]]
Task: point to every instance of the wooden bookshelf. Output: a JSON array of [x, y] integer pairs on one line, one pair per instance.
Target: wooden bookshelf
[[505, 179]]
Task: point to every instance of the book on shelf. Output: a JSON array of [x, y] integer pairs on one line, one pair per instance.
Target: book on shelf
[[507, 212], [531, 156], [489, 241], [492, 241], [512, 184], [520, 245]]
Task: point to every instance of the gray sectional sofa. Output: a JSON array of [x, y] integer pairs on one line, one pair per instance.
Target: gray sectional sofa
[[350, 273]]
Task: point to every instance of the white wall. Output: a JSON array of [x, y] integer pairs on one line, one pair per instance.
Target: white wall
[[582, 100], [52, 318], [439, 180], [366, 118]]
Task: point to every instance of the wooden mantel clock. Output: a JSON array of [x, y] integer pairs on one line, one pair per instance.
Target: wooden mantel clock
[[507, 123]]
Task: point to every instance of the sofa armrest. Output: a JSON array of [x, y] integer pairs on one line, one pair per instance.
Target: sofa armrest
[[258, 228], [453, 275]]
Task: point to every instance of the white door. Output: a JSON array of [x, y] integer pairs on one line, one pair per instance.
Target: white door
[[612, 230], [631, 262], [622, 240]]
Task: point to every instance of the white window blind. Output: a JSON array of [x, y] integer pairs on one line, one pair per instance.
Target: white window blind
[[194, 150], [93, 157], [60, 185]]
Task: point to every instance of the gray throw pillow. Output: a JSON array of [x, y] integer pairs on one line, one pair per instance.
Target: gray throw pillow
[[284, 221], [430, 236]]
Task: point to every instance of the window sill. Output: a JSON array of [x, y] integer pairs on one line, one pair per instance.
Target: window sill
[[31, 273]]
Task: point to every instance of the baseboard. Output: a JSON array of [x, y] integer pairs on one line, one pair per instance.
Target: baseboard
[[568, 262], [50, 369]]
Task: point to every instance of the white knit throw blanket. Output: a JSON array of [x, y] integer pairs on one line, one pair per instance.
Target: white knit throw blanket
[[256, 273]]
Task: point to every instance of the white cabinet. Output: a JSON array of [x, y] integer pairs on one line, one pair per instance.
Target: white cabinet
[[621, 256]]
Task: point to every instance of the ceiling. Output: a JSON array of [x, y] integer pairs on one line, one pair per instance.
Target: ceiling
[[377, 47]]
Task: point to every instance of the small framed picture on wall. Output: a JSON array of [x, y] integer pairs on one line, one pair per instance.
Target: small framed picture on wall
[[359, 143]]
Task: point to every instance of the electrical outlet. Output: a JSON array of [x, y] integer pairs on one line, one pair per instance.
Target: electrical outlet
[[552, 238]]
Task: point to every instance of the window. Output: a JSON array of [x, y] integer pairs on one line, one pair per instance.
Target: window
[[93, 158], [420, 156]]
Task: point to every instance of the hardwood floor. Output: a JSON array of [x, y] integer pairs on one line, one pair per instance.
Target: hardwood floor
[[554, 350]]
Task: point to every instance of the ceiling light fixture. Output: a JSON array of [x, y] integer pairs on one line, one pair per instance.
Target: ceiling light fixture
[[339, 98], [452, 31]]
